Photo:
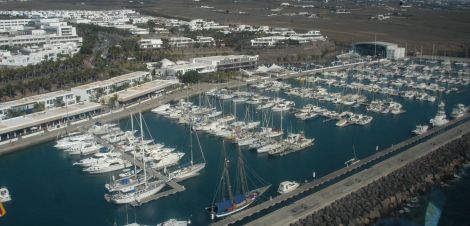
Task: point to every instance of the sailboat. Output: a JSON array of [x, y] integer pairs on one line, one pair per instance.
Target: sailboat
[[237, 199], [353, 160], [192, 169], [141, 191]]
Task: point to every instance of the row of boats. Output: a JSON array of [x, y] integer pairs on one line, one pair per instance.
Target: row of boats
[[344, 118], [246, 134], [130, 185], [441, 117]]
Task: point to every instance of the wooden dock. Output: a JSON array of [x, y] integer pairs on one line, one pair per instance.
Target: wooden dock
[[375, 158]]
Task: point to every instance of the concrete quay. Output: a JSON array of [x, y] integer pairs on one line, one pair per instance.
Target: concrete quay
[[407, 146], [149, 104], [323, 198]]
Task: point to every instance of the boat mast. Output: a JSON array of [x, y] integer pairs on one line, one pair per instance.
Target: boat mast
[[227, 175], [142, 148], [241, 172], [200, 148], [132, 130], [191, 138]]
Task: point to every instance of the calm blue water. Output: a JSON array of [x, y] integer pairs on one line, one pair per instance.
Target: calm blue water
[[47, 190]]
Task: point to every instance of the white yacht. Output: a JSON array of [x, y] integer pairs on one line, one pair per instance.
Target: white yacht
[[170, 160], [73, 141], [125, 183], [342, 122], [108, 166], [161, 109], [269, 147], [137, 194], [174, 222], [459, 111], [420, 129], [187, 172], [441, 117], [4, 195], [192, 169], [287, 186], [85, 149]]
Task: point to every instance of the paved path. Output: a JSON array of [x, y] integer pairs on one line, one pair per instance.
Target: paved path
[[312, 203], [405, 145]]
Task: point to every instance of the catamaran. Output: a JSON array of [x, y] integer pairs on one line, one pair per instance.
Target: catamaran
[[240, 197]]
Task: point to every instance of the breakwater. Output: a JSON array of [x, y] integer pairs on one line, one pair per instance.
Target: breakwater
[[387, 194]]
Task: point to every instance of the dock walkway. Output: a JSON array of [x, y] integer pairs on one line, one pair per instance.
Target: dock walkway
[[415, 147], [175, 187]]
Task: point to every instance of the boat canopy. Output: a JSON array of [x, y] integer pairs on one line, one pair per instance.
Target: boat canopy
[[223, 206], [239, 198]]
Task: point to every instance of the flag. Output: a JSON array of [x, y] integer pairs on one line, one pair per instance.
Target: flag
[[3, 211]]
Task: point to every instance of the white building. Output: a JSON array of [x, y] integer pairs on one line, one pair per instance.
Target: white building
[[210, 64], [267, 41], [181, 69], [205, 41], [27, 104], [379, 49], [200, 24], [151, 43], [91, 91], [139, 31], [51, 32], [13, 25], [229, 62], [179, 42], [305, 38], [34, 55]]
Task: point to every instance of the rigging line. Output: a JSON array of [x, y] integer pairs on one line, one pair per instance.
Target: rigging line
[[146, 126]]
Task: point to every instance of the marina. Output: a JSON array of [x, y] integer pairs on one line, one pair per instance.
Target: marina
[[287, 129]]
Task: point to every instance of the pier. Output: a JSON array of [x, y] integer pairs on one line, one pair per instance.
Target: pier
[[409, 150], [175, 187]]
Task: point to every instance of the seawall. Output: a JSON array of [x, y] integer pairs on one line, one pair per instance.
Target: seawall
[[385, 195]]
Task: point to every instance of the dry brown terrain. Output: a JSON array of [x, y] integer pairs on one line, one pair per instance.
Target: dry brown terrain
[[415, 28]]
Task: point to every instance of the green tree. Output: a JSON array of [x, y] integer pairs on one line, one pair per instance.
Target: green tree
[[189, 77], [59, 102], [38, 106]]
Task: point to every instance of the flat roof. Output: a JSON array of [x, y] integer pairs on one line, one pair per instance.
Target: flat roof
[[113, 80], [39, 118], [187, 66], [227, 57], [143, 89], [377, 43], [32, 99]]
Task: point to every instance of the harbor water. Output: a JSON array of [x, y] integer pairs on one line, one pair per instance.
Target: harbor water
[[48, 190]]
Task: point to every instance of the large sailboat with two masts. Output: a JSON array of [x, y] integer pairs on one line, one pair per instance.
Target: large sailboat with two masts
[[234, 199]]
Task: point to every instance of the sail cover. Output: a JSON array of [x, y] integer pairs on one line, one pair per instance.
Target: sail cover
[[239, 198], [223, 206]]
